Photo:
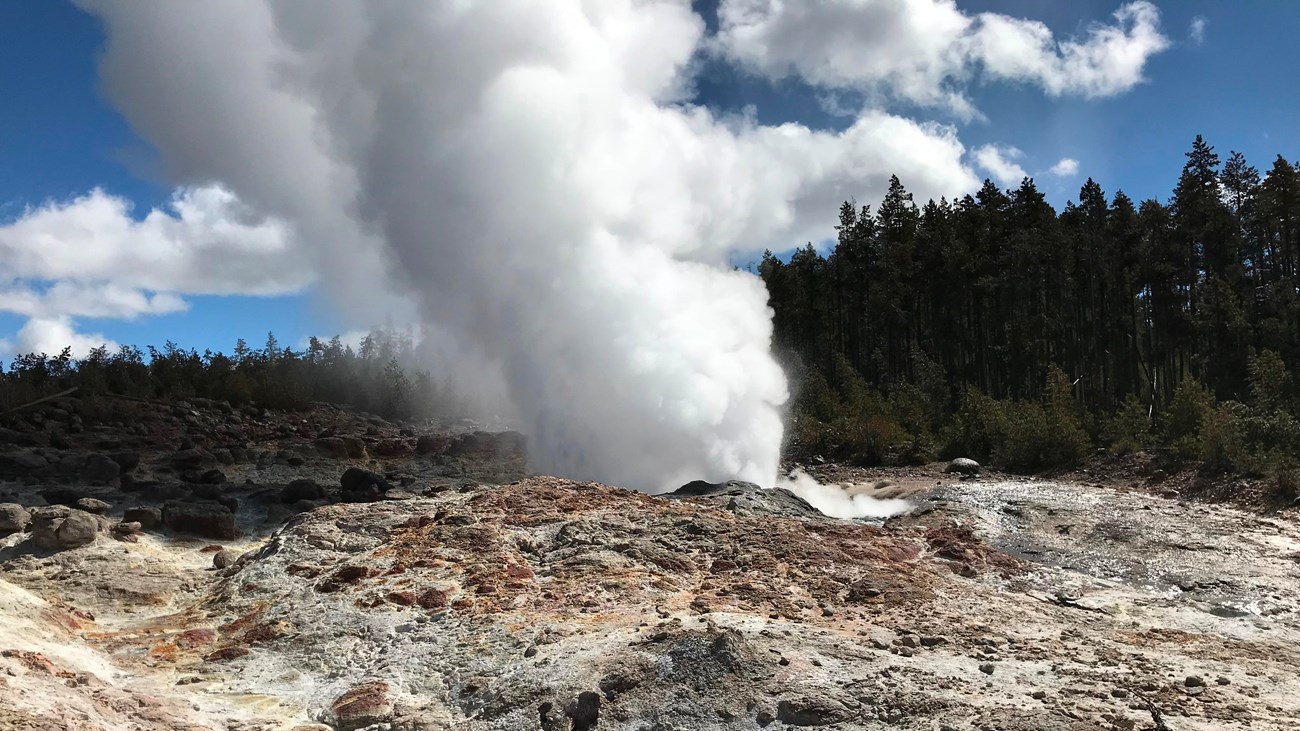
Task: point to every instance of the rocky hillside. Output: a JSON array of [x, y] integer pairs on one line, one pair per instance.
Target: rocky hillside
[[191, 566]]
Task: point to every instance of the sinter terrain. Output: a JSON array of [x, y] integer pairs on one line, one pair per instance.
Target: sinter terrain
[[189, 565]]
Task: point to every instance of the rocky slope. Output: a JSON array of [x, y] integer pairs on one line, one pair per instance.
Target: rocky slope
[[342, 574]]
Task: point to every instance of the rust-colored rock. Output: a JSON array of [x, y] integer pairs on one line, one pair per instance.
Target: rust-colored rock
[[362, 705]]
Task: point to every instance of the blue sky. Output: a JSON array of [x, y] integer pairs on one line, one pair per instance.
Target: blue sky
[[60, 136]]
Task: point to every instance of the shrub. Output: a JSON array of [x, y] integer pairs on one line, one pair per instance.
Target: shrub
[[1130, 429], [1190, 405], [1286, 481], [1020, 435], [1223, 439]]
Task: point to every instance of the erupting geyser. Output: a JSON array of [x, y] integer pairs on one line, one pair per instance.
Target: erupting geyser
[[530, 176]]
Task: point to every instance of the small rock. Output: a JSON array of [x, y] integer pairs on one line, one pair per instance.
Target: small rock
[[1193, 681], [1223, 681], [363, 705], [223, 559], [809, 712], [93, 505], [987, 668]]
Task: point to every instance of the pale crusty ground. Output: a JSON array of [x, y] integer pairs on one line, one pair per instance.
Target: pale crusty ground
[[502, 606]]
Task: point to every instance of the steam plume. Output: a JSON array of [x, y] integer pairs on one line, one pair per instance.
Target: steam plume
[[530, 178]]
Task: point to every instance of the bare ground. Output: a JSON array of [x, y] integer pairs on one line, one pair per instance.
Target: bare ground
[[470, 604]]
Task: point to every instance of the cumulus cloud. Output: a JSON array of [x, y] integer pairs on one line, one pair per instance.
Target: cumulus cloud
[[923, 51], [89, 257], [1000, 163], [1196, 31], [203, 242], [1067, 167], [50, 335]]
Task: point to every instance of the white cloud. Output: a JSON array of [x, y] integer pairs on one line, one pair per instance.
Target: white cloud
[[1065, 168], [999, 163], [924, 51], [203, 242], [50, 335], [88, 257], [1196, 31]]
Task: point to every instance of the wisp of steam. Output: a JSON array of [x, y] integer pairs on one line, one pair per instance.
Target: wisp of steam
[[531, 177]]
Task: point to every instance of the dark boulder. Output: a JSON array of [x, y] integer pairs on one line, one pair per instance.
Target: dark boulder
[[149, 518], [62, 495], [207, 519], [393, 448], [21, 463], [205, 477], [482, 443], [301, 490], [332, 447], [356, 449], [363, 486], [127, 461], [99, 469], [431, 445], [193, 459]]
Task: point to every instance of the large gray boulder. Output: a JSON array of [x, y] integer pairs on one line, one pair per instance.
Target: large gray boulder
[[58, 528], [962, 466], [14, 518]]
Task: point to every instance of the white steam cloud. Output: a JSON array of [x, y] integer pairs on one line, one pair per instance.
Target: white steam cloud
[[843, 500], [530, 179], [526, 174]]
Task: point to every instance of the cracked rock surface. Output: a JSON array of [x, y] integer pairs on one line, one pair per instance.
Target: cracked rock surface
[[462, 595]]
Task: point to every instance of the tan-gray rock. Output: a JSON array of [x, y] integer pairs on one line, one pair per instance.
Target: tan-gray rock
[[58, 527], [14, 518]]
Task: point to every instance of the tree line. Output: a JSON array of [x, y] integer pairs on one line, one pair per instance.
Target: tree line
[[1092, 325], [380, 376]]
